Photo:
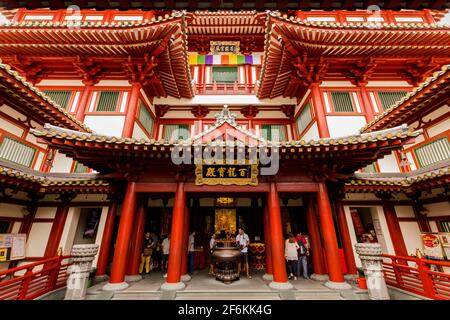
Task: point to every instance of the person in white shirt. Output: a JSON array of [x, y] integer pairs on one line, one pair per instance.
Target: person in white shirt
[[243, 241], [212, 246], [165, 245], [290, 253], [191, 250]]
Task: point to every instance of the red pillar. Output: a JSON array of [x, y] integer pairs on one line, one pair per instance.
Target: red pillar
[[84, 102], [136, 246], [56, 231], [184, 260], [119, 265], [131, 110], [176, 241], [103, 255], [346, 240], [330, 240], [394, 230], [368, 108], [319, 111], [315, 240], [268, 245], [280, 280]]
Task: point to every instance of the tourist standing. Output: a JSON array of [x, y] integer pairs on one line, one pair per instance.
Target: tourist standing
[[303, 254], [290, 253], [165, 250], [146, 253], [155, 240], [243, 241], [191, 251], [212, 246]]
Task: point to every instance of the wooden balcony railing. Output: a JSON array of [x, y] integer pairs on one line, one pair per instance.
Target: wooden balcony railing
[[428, 278], [225, 88], [33, 280]]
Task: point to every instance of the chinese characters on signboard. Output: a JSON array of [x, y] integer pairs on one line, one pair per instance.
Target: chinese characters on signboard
[[217, 47], [226, 174]]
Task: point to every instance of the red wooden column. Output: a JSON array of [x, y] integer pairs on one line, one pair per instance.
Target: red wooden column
[[345, 238], [184, 260], [394, 230], [280, 280], [136, 245], [84, 102], [267, 241], [56, 231], [368, 108], [133, 104], [173, 281], [105, 246], [330, 241], [119, 265], [319, 111], [315, 243]]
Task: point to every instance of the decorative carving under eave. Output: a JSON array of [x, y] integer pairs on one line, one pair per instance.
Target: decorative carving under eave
[[142, 72], [418, 72], [250, 111], [288, 110], [161, 110], [88, 70], [308, 72], [200, 111], [361, 71], [66, 197], [31, 70]]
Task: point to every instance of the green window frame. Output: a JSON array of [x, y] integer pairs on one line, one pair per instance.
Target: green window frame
[[181, 130], [370, 168], [273, 132], [304, 118], [433, 152], [61, 97], [107, 101], [225, 74], [17, 152], [342, 101], [145, 118], [80, 168], [389, 98], [445, 225]]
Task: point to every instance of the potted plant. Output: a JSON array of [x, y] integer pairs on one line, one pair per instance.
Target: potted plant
[[362, 283]]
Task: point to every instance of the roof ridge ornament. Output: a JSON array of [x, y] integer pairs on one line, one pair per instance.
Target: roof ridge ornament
[[225, 116]]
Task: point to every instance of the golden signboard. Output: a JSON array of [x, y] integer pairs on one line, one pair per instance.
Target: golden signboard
[[218, 47], [226, 174]]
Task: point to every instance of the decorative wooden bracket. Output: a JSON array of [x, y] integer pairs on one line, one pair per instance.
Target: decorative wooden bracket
[[88, 70], [288, 110], [31, 70], [307, 72], [142, 72], [161, 110], [250, 111], [361, 71], [418, 72], [200, 111]]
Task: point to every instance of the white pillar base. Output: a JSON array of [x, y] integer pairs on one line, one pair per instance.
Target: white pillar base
[[337, 285], [186, 277], [351, 277], [115, 286], [281, 285], [319, 277], [101, 278], [267, 277], [166, 286], [133, 278]]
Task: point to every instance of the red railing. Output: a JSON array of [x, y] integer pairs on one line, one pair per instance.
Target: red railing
[[32, 280], [224, 88], [419, 276]]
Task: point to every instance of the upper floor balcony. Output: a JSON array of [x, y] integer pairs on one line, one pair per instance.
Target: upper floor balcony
[[224, 88]]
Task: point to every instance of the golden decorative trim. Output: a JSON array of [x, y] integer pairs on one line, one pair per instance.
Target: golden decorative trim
[[252, 181]]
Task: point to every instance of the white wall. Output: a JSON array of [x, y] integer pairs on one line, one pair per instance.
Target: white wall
[[411, 235], [312, 133], [138, 133], [438, 209], [388, 164], [38, 238], [106, 125], [384, 237], [61, 163], [11, 210], [45, 212], [70, 227], [339, 126]]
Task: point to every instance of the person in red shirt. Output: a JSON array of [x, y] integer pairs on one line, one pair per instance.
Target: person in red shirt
[[303, 254]]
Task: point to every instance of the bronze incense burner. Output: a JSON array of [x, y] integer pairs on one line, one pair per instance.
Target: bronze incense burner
[[225, 259]]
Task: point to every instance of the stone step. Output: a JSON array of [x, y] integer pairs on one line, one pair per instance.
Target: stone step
[[137, 296], [227, 295], [318, 295]]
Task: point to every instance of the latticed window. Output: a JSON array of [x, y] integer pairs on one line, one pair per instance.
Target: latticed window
[[225, 74], [433, 152], [145, 118], [342, 101], [445, 225], [17, 152], [61, 97], [371, 168], [304, 118], [273, 132], [107, 101], [389, 98], [80, 168], [176, 132]]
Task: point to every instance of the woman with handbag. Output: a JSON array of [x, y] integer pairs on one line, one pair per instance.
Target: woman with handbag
[[146, 254]]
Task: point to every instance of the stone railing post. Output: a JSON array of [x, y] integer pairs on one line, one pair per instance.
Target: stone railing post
[[77, 282], [371, 260]]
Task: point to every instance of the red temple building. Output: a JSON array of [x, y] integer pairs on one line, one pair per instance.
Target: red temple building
[[115, 122]]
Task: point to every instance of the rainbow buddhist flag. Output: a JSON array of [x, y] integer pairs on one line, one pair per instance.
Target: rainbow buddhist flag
[[224, 59]]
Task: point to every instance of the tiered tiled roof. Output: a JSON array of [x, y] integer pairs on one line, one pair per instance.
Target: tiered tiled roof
[[434, 89]]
